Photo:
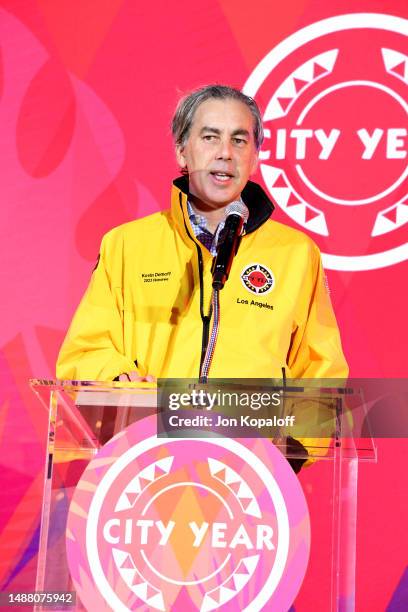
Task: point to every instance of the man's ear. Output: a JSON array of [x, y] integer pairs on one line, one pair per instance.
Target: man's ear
[[255, 163], [181, 160]]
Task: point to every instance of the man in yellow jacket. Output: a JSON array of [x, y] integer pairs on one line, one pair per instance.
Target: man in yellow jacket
[[146, 312]]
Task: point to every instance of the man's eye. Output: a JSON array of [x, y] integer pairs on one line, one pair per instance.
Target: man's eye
[[239, 141], [209, 137]]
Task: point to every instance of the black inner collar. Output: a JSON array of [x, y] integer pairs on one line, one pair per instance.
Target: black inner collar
[[259, 205]]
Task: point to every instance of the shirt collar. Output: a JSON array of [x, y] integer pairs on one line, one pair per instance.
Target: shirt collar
[[200, 220], [196, 218]]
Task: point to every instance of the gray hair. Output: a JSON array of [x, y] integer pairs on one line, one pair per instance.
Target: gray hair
[[187, 106]]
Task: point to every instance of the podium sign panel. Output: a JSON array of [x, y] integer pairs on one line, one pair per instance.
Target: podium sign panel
[[133, 519]]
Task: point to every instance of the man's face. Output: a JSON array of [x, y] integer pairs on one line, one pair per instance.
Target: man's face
[[220, 153]]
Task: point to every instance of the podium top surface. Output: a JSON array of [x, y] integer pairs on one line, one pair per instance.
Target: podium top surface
[[335, 411]]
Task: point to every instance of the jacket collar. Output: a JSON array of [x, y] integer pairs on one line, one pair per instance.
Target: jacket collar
[[259, 205]]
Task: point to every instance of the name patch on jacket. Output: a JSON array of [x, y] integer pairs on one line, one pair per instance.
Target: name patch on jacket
[[155, 277]]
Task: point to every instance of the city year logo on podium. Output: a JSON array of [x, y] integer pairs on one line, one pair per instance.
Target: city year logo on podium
[[187, 524], [335, 154]]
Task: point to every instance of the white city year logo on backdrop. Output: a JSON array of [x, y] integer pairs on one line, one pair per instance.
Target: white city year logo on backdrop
[[335, 153]]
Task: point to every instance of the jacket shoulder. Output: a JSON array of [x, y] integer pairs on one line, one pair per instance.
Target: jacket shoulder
[[137, 228], [289, 236]]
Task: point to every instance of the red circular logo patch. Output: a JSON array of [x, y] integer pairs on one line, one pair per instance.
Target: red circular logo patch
[[335, 153], [257, 278]]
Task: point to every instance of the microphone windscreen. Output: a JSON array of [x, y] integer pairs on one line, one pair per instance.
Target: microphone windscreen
[[237, 208]]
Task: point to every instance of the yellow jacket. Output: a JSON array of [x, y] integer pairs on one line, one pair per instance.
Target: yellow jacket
[[142, 305]]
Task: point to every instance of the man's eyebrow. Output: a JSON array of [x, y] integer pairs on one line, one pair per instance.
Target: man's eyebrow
[[207, 128], [237, 132], [241, 132]]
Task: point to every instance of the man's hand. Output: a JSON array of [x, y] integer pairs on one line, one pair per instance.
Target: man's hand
[[135, 377]]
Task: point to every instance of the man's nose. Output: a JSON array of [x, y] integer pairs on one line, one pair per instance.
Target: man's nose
[[225, 149]]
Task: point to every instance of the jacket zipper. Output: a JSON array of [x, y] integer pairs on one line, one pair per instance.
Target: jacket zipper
[[206, 319]]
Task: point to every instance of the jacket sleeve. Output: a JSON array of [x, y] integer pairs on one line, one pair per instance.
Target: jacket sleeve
[[315, 349], [93, 348]]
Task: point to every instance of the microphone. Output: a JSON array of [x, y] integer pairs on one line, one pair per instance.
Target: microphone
[[236, 215]]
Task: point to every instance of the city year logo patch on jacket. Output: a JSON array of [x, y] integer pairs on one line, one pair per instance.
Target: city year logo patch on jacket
[[258, 279]]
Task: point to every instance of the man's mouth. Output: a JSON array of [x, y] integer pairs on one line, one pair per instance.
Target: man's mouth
[[222, 176]]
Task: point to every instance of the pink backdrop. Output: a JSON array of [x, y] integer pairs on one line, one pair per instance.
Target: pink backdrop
[[87, 91]]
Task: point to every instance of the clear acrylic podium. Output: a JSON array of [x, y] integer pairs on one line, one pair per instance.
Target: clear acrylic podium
[[83, 416]]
